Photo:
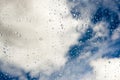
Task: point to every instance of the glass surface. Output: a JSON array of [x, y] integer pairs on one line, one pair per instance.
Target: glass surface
[[59, 39]]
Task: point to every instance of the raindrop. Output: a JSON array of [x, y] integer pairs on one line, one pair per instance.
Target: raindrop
[[18, 34], [79, 28], [4, 51], [0, 34], [60, 75], [40, 39], [50, 20], [109, 62]]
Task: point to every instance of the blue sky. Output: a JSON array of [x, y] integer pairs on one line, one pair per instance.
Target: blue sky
[[97, 42]]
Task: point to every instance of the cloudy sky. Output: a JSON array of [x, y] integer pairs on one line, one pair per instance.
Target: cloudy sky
[[59, 39]]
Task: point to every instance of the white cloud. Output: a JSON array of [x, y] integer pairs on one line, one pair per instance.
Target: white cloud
[[106, 69], [101, 29], [36, 34]]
